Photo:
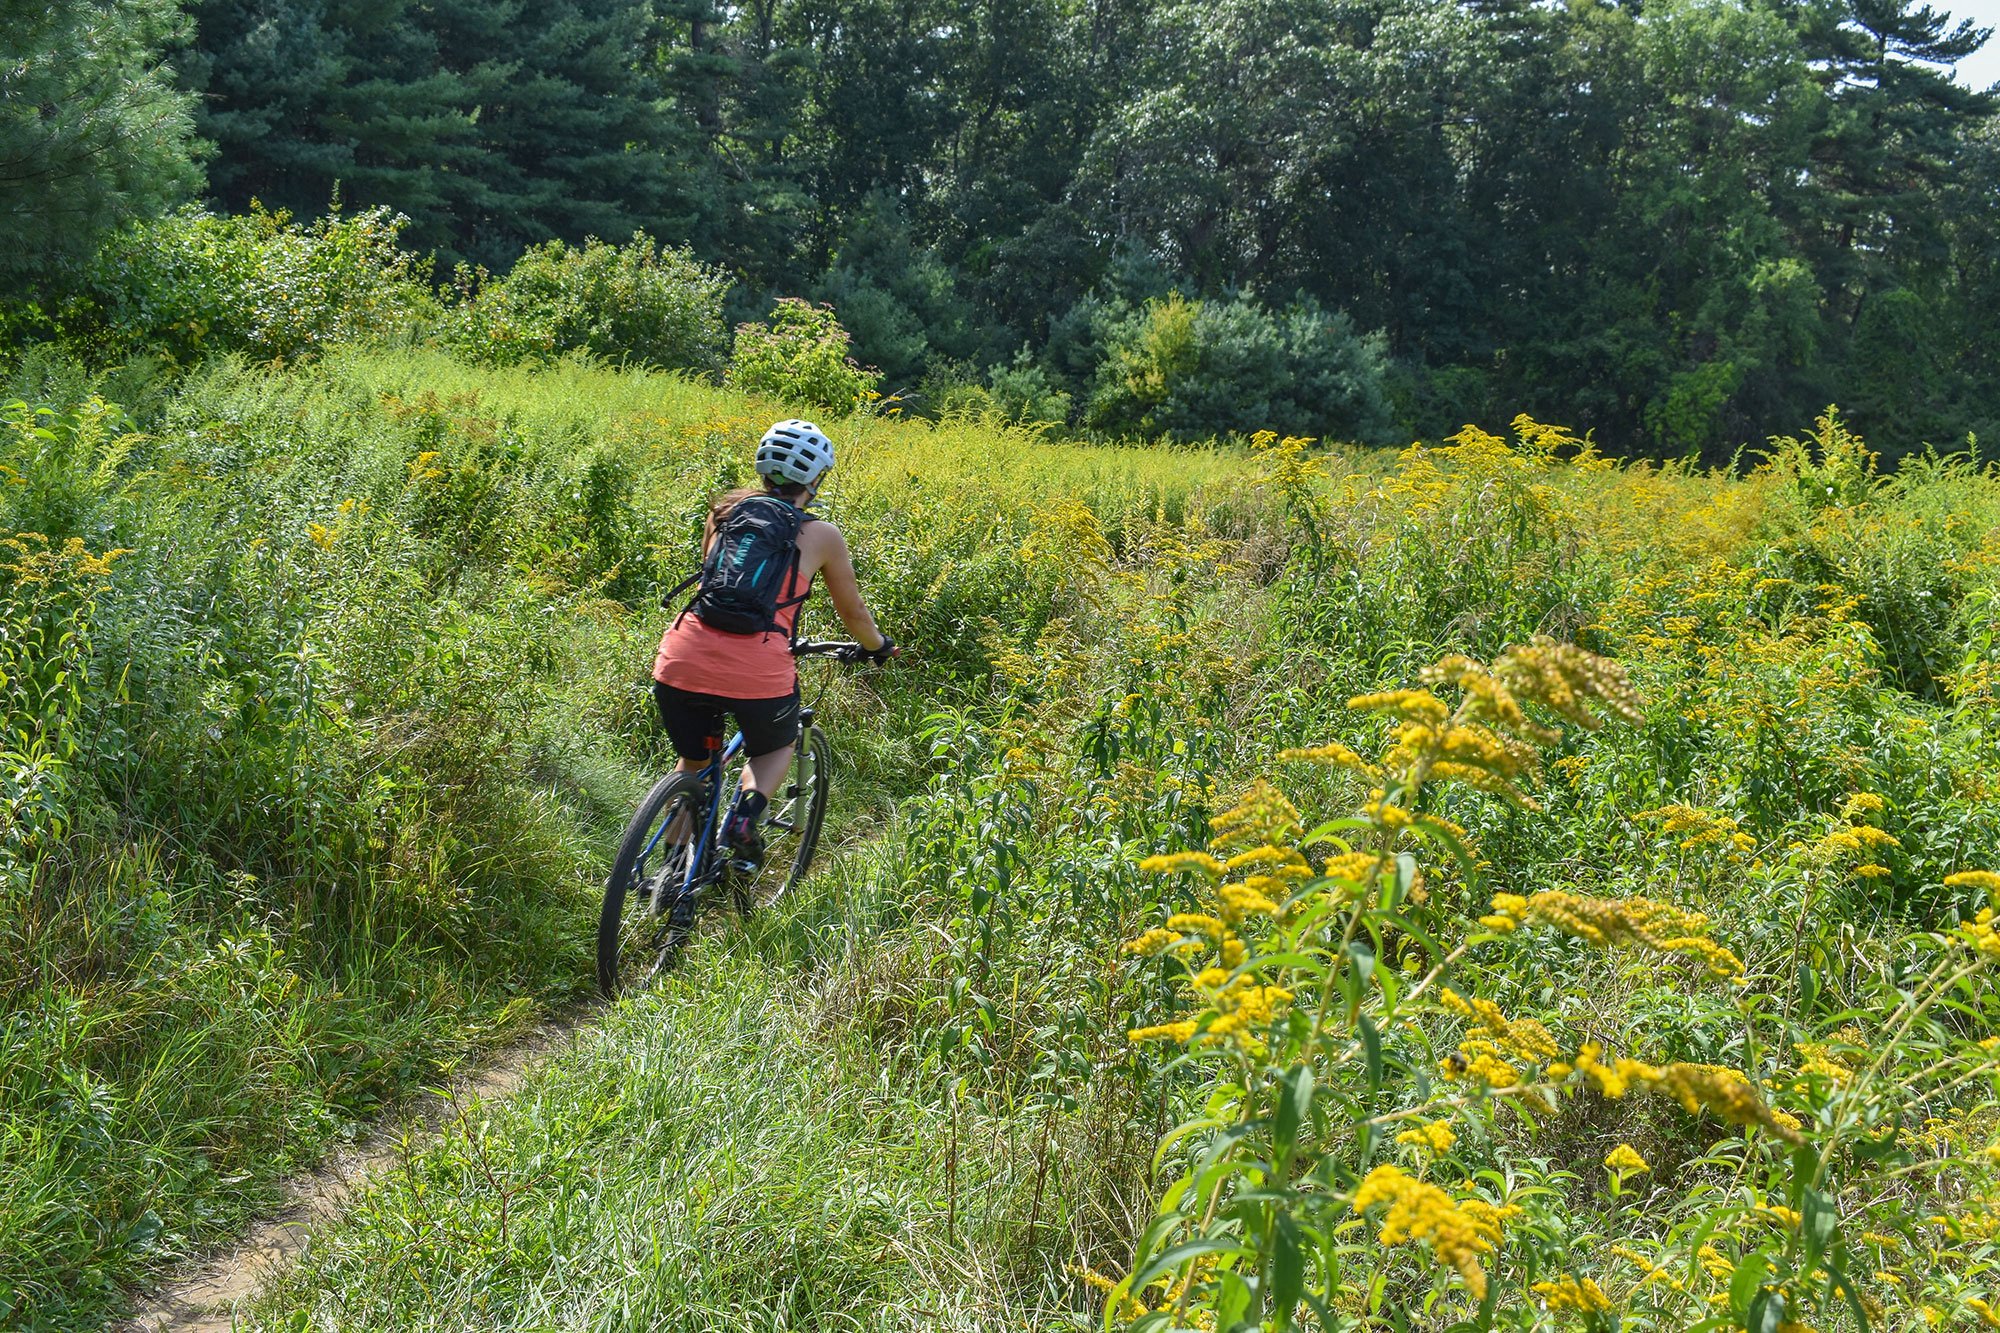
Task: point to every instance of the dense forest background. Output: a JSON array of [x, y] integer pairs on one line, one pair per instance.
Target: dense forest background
[[1682, 224]]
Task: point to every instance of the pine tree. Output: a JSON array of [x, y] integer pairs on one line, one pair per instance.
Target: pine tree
[[1892, 139], [494, 124], [92, 130]]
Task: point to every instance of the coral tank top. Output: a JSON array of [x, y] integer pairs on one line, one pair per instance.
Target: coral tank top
[[698, 658]]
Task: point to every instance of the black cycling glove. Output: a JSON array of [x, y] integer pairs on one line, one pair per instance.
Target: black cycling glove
[[884, 653]]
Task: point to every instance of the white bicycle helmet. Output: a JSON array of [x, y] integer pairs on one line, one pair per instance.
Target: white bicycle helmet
[[794, 453]]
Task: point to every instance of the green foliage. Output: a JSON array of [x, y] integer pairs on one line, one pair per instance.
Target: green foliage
[[321, 701], [968, 981], [1023, 393], [1671, 227], [492, 128], [261, 285], [800, 356], [1189, 370], [641, 302], [92, 131], [899, 302]]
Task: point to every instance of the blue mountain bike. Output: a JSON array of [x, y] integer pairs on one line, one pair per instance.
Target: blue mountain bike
[[673, 858]]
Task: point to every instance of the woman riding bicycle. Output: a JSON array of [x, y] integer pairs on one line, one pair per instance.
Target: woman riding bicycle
[[705, 670]]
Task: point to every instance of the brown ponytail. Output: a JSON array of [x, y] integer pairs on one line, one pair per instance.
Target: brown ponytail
[[728, 500]]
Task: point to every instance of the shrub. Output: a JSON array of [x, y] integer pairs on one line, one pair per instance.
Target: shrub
[[802, 356], [640, 302], [195, 283], [1023, 393], [1191, 369], [898, 300]]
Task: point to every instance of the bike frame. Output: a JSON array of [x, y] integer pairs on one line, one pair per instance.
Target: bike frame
[[698, 873]]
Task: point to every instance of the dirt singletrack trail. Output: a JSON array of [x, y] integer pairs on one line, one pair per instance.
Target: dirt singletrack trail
[[206, 1298]]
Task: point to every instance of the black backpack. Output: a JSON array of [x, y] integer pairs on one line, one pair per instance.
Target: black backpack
[[749, 568]]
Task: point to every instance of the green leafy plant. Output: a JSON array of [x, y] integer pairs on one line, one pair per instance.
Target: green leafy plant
[[641, 302], [258, 284], [800, 356]]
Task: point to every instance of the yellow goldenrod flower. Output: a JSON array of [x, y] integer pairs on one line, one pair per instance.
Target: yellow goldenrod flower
[[1240, 900], [1262, 816], [1862, 803], [1981, 935], [1714, 1262], [1333, 752], [1525, 1037], [1571, 1293], [1726, 1094], [1386, 812], [1634, 922], [1615, 1079], [1457, 1233], [1778, 1214], [1356, 867], [1436, 1137], [1478, 1061], [1128, 1306], [1181, 1031], [1418, 705], [1154, 942], [1505, 913], [1649, 1272], [1279, 860], [1974, 879], [1625, 1160], [1171, 862]]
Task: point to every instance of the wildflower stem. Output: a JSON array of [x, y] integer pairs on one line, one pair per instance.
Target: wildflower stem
[[1912, 1009]]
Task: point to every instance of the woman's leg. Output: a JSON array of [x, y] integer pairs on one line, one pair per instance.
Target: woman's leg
[[765, 771], [770, 733]]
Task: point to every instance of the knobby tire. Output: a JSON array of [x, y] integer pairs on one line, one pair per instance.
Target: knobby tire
[[623, 912]]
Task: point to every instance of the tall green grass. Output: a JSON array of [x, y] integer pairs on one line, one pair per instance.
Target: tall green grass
[[309, 788], [949, 1124]]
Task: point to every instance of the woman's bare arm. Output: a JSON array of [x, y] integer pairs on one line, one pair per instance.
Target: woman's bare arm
[[838, 566]]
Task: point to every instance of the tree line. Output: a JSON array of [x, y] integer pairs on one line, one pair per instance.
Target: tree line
[[1681, 223]]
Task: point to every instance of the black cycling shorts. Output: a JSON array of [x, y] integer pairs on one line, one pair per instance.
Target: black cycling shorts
[[694, 722]]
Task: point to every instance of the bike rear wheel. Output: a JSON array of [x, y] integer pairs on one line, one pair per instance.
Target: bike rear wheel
[[636, 935], [792, 824]]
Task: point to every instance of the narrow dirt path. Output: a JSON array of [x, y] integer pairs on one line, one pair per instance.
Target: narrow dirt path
[[206, 1299]]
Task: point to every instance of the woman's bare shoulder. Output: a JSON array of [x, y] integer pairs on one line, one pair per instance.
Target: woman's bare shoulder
[[822, 534]]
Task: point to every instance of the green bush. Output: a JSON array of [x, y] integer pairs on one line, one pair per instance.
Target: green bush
[[1192, 369], [898, 299], [1024, 394], [257, 284], [801, 356], [640, 302]]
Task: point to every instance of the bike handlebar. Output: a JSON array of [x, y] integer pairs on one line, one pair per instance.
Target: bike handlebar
[[840, 650]]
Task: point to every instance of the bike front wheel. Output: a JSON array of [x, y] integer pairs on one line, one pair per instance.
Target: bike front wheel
[[637, 930], [792, 824]]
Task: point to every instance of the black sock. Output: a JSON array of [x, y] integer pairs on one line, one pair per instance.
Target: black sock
[[750, 806]]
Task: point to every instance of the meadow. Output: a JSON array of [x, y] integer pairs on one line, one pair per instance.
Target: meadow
[[1484, 885]]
